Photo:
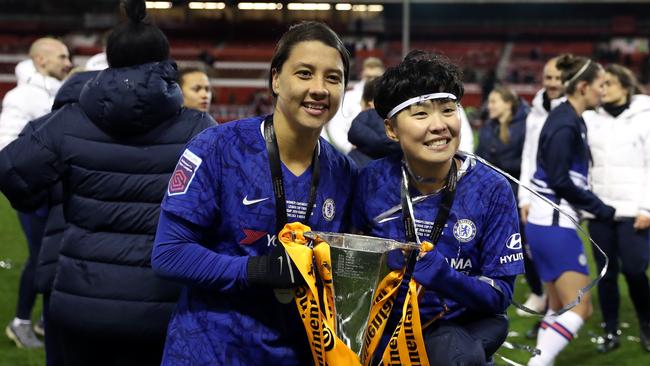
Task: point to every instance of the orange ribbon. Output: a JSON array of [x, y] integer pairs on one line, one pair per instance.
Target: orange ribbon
[[326, 347]]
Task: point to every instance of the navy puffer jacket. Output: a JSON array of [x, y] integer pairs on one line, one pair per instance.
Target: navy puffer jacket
[[53, 234], [114, 152]]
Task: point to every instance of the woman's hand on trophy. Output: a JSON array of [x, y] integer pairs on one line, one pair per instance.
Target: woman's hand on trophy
[[430, 268], [274, 270], [641, 222], [395, 259]]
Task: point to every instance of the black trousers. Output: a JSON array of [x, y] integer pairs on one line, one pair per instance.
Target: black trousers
[[469, 341], [33, 224], [84, 349], [629, 252]]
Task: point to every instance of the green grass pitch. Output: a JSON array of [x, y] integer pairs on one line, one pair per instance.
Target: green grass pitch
[[581, 352]]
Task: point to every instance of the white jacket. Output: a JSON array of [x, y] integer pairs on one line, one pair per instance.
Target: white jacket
[[26, 102], [336, 130], [97, 62], [24, 71], [466, 133], [620, 149], [534, 123]]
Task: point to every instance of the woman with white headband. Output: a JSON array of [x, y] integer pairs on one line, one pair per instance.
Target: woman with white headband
[[464, 208], [563, 159]]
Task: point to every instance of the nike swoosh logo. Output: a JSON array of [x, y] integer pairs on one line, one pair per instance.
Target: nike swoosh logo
[[247, 202], [390, 218]]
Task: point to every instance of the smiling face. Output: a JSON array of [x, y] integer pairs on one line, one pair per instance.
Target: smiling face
[[51, 58], [309, 86], [552, 80], [429, 134], [197, 92]]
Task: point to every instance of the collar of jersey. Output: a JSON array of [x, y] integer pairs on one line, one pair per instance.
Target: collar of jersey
[[262, 134]]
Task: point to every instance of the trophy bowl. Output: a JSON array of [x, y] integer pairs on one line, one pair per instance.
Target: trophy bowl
[[359, 263]]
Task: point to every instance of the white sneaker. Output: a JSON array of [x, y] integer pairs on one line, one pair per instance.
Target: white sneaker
[[537, 361], [534, 302], [23, 336]]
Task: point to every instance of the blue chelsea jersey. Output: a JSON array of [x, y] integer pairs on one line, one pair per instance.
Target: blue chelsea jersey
[[222, 183], [481, 236]]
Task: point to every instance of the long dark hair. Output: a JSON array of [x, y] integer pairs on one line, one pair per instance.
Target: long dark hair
[[136, 41], [302, 32], [626, 78]]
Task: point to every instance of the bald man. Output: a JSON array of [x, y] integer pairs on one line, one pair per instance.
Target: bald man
[[33, 97], [549, 97], [50, 57], [30, 99]]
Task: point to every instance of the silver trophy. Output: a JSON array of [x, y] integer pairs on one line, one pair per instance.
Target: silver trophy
[[359, 263]]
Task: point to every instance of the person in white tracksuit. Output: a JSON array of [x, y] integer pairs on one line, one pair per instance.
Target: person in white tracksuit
[[546, 99], [38, 81], [619, 137]]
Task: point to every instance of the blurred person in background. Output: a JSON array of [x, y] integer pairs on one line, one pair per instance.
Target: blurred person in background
[[367, 132], [546, 99], [501, 142], [24, 70], [244, 180], [563, 160], [197, 92], [466, 133], [113, 153], [98, 61], [501, 138], [619, 137], [31, 99], [336, 130]]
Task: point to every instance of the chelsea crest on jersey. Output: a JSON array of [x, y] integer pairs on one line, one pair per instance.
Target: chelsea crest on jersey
[[481, 236]]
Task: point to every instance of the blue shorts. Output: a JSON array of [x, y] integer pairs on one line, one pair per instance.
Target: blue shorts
[[556, 250]]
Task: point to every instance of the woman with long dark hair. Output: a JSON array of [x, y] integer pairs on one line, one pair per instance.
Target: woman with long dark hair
[[619, 137], [234, 189], [501, 142]]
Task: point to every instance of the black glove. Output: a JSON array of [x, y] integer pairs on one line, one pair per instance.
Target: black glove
[[274, 270]]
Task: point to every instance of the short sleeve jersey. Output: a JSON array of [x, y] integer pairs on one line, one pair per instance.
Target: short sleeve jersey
[[222, 183], [481, 236]]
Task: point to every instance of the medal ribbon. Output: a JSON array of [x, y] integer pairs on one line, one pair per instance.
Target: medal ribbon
[[316, 308], [406, 345]]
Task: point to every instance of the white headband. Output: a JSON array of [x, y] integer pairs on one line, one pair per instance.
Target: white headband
[[577, 74], [419, 99]]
